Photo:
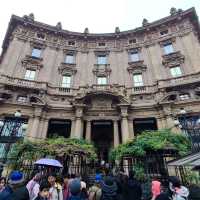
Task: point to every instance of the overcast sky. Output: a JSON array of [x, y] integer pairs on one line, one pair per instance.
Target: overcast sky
[[98, 15]]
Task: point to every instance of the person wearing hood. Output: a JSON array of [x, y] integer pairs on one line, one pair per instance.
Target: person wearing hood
[[33, 186], [175, 191], [132, 188], [109, 189]]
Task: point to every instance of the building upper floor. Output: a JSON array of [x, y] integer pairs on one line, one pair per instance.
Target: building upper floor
[[155, 54]]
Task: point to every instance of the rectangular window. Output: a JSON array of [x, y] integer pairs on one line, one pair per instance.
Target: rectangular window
[[101, 80], [165, 32], [132, 41], [137, 79], [184, 96], [71, 43], [102, 60], [102, 44], [175, 71], [22, 99], [168, 48], [69, 59], [66, 81], [30, 75], [134, 56], [36, 53]]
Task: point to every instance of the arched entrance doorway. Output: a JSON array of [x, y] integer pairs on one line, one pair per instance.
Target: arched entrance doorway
[[102, 136]]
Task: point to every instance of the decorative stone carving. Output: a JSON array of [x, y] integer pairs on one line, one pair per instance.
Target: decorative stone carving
[[117, 30], [32, 62], [86, 30], [173, 11], [29, 17], [102, 70], [145, 22], [66, 68], [137, 66], [173, 59], [59, 26]]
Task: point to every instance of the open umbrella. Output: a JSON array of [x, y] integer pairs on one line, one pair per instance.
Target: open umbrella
[[48, 162]]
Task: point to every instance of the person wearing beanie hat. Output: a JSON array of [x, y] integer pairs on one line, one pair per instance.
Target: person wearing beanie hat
[[75, 189], [16, 182]]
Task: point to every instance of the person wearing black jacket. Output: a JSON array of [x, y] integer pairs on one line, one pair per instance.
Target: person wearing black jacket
[[132, 187]]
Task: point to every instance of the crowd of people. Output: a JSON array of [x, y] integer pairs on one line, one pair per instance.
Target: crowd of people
[[103, 187]]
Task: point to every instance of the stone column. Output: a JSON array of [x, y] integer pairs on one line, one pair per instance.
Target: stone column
[[78, 130], [131, 131], [45, 128], [33, 130], [88, 131], [124, 123], [125, 129], [116, 133], [72, 127], [33, 134]]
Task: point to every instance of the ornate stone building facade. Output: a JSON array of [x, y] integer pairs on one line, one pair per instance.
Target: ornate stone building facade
[[102, 87]]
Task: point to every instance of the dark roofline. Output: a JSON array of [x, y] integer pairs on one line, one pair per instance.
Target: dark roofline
[[16, 20]]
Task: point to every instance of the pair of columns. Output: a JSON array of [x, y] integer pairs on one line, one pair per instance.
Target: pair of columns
[[116, 132]]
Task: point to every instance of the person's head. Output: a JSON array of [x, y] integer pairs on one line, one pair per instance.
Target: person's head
[[75, 187], [44, 189], [2, 182], [66, 178], [131, 174], [98, 178], [174, 182], [73, 176], [52, 178], [16, 179], [37, 177]]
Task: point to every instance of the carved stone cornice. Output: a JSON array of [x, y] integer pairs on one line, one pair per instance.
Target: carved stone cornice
[[38, 43], [102, 70], [167, 41], [66, 68], [173, 59], [136, 66], [32, 62]]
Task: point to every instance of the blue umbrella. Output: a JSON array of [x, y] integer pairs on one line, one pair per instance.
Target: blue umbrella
[[48, 162]]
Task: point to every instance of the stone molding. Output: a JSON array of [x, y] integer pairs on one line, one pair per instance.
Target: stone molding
[[32, 62], [173, 59], [66, 68], [102, 70], [137, 66]]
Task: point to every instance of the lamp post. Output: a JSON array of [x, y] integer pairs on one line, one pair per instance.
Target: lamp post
[[9, 132], [190, 126]]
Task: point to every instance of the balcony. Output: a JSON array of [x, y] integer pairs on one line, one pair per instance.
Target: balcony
[[17, 82], [60, 90], [142, 89], [182, 80]]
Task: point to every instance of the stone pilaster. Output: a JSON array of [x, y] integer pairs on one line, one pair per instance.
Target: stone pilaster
[[33, 125], [131, 131], [116, 133], [124, 123], [73, 121], [44, 128], [88, 131], [78, 130]]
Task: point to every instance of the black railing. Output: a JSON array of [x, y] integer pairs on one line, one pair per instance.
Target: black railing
[[11, 132], [190, 126]]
